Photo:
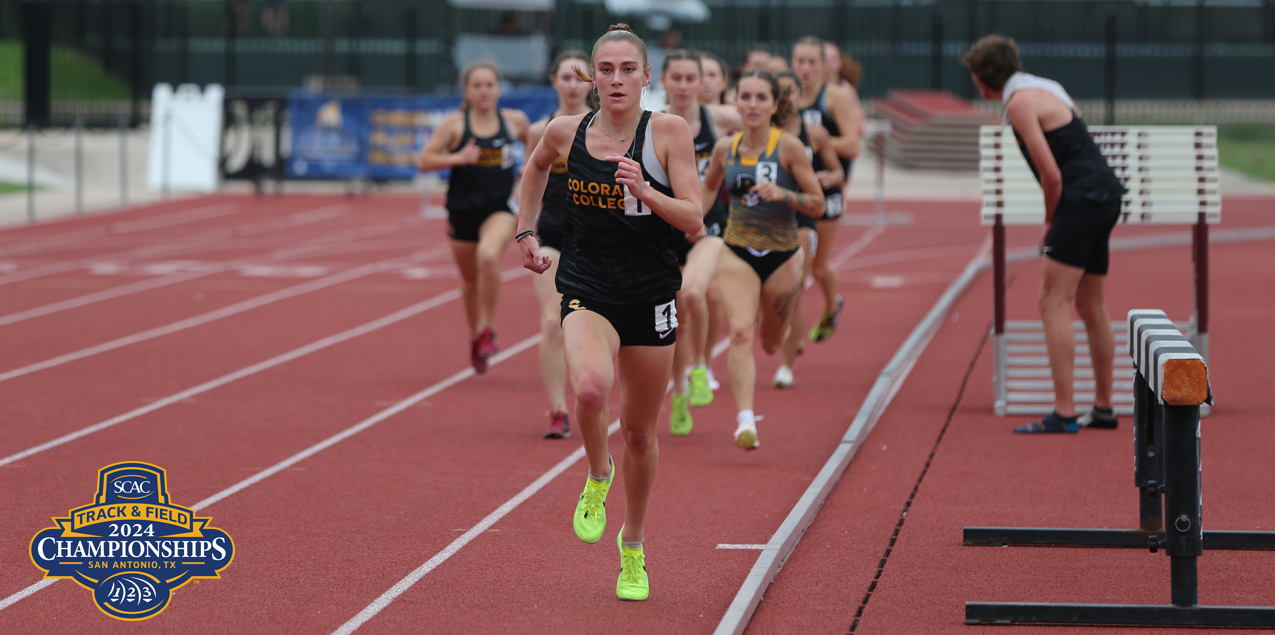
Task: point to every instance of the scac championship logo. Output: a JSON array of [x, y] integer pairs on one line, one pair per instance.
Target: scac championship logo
[[132, 547]]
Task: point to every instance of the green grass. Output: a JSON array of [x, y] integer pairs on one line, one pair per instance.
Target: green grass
[[1248, 148], [9, 188], [75, 75]]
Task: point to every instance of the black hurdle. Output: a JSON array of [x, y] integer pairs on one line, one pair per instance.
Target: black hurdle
[[1166, 437], [1153, 329]]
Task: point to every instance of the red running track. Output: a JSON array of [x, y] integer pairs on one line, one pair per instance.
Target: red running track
[[323, 538]]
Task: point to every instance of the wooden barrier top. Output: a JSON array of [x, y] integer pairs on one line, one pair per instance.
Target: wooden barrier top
[[1174, 370], [1171, 173]]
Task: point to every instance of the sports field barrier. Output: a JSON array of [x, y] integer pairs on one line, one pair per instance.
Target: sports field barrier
[[1171, 173], [1170, 384]]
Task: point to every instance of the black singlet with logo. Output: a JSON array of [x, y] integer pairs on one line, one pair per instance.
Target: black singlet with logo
[[556, 201], [486, 185], [704, 143], [616, 249], [1086, 176], [817, 114]]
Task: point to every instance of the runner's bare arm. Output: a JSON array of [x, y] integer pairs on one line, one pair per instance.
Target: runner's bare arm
[[726, 120], [832, 176], [716, 171], [438, 154], [1026, 121], [842, 105]]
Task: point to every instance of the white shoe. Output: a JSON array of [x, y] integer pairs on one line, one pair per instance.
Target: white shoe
[[746, 434], [783, 377], [713, 384]]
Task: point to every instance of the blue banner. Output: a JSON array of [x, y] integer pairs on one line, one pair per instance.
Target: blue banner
[[380, 137]]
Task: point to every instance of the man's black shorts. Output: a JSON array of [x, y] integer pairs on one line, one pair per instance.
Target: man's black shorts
[[652, 324], [1080, 234], [463, 225]]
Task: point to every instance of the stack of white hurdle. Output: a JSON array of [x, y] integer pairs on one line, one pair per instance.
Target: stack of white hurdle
[[1171, 173]]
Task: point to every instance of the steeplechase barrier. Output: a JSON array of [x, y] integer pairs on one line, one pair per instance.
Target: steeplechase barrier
[[1170, 384], [1171, 173]]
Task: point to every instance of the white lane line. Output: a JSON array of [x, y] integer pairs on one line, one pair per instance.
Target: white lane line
[[234, 309], [187, 244], [364, 424], [439, 558], [306, 248], [752, 547], [335, 439], [36, 244], [317, 345]]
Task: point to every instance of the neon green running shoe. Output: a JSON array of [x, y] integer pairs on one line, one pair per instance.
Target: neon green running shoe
[[679, 421], [590, 519], [828, 325], [699, 393], [633, 584]]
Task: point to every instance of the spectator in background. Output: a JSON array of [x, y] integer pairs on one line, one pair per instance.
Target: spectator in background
[[671, 40], [509, 24], [274, 17]]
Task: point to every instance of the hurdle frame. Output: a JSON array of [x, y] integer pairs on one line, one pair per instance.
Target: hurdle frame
[[1005, 202], [1172, 472]]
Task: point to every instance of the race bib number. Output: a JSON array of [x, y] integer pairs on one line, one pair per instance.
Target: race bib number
[[812, 117], [832, 205], [666, 317], [634, 207], [767, 172], [506, 156]]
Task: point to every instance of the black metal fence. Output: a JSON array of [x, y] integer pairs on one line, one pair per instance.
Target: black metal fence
[[107, 55]]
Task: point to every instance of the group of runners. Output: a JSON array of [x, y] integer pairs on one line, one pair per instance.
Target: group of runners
[[647, 228]]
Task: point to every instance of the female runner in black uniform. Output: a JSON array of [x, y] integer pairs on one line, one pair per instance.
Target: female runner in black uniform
[[837, 110], [574, 97], [823, 159], [698, 298], [763, 167], [1082, 206], [713, 90], [477, 144], [632, 181]]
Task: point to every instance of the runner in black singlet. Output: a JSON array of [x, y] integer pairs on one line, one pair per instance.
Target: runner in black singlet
[[713, 90], [1082, 206], [698, 298], [477, 145], [574, 98], [632, 180], [819, 148], [770, 180], [836, 109]]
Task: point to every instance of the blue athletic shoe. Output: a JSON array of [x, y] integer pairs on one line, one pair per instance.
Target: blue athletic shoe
[[1054, 423]]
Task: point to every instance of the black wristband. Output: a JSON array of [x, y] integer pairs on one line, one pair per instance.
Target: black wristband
[[523, 235]]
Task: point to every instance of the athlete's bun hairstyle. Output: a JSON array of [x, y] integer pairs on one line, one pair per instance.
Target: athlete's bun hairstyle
[[682, 54], [620, 32], [469, 70], [993, 59], [784, 108]]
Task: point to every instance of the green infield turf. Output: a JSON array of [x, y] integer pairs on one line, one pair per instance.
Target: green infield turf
[[1248, 148]]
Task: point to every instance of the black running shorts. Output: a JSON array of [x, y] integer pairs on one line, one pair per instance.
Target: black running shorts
[[714, 227], [806, 221], [763, 264], [647, 324], [1080, 234], [463, 225]]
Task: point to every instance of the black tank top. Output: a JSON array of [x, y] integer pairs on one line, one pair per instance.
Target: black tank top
[[487, 184], [553, 213], [817, 114], [616, 250], [1086, 176]]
